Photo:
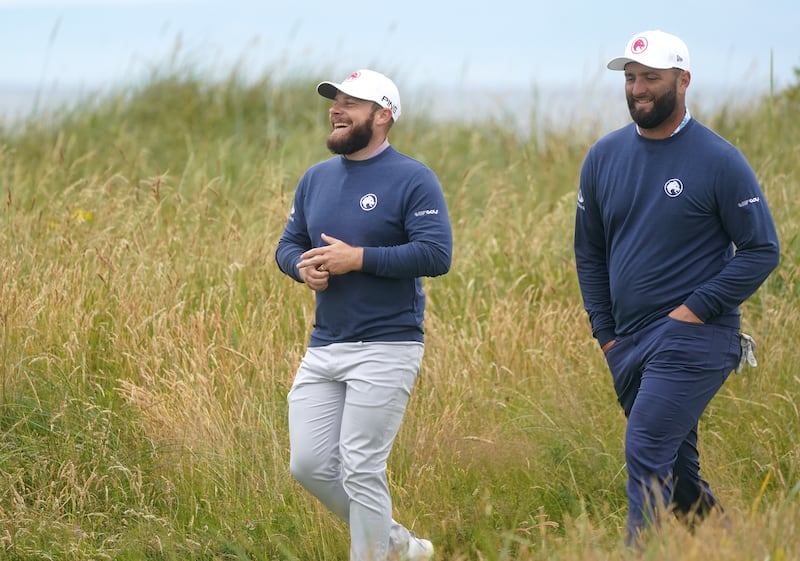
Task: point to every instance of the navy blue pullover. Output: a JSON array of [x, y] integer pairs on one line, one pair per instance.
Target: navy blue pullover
[[393, 207], [656, 226]]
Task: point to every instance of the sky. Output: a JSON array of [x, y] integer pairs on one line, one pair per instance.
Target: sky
[[451, 50]]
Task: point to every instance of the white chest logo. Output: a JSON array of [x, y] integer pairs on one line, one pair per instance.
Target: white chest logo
[[368, 202], [673, 188]]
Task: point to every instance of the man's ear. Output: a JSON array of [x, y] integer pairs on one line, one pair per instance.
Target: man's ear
[[384, 116]]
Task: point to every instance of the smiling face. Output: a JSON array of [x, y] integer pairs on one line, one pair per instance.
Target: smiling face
[[355, 125], [656, 98]]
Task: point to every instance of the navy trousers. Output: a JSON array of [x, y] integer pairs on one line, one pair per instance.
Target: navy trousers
[[664, 376]]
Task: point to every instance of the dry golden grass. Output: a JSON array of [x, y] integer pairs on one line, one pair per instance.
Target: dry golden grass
[[148, 343]]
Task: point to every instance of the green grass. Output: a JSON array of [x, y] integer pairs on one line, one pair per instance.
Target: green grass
[[148, 341]]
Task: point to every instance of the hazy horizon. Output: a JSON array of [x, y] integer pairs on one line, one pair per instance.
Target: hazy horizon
[[552, 106], [485, 58]]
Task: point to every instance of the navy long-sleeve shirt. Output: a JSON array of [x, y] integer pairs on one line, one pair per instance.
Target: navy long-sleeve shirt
[[656, 226], [392, 206]]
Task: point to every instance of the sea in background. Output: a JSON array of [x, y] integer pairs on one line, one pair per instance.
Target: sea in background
[[532, 65], [596, 108]]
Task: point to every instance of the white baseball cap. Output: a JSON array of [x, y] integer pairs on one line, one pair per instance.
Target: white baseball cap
[[366, 84], [655, 49]]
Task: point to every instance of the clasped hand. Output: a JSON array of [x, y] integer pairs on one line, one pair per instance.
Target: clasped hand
[[336, 258]]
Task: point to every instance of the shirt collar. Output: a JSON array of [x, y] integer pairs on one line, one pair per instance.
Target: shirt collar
[[379, 149], [686, 118]]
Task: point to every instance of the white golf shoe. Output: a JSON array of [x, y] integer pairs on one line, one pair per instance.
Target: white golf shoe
[[418, 549], [406, 546]]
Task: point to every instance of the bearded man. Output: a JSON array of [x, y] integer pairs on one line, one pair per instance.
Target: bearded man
[[672, 234], [364, 227]]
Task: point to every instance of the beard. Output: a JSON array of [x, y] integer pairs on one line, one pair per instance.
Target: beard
[[663, 107], [357, 139]]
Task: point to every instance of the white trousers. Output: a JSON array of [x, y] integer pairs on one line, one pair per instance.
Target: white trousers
[[345, 408]]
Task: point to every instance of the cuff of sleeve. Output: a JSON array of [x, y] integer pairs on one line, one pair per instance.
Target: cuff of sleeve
[[295, 273], [605, 336], [369, 263], [698, 307]]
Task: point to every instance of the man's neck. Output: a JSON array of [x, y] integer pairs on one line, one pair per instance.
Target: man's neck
[[369, 151]]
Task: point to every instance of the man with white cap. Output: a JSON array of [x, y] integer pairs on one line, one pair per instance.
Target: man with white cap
[[364, 227], [672, 234]]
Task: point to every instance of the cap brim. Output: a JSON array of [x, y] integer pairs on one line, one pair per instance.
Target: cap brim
[[619, 63], [328, 89]]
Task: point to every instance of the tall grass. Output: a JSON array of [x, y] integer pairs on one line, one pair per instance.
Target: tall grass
[[148, 342]]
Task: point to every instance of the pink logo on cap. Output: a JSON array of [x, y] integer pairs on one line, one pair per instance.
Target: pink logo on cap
[[639, 45], [353, 76]]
